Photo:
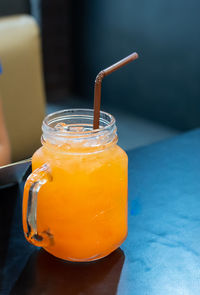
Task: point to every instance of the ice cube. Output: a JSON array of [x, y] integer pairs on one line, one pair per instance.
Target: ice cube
[[64, 127], [61, 126], [76, 128]]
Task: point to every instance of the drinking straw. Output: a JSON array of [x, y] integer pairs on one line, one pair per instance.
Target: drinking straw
[[98, 81]]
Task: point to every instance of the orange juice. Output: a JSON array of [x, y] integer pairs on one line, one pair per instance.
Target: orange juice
[[83, 208]]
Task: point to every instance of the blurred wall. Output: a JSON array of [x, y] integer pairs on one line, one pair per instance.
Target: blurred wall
[[164, 84], [9, 7], [56, 27]]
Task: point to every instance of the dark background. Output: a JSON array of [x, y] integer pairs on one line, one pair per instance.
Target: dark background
[[87, 36], [79, 38]]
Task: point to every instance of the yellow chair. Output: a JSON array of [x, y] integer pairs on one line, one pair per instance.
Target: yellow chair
[[21, 83]]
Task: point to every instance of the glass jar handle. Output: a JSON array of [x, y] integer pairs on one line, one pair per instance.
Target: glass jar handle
[[35, 181]]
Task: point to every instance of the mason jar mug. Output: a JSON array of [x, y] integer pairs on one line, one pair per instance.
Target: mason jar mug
[[75, 200]]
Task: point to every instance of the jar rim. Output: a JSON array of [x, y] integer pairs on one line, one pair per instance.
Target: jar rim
[[105, 118]]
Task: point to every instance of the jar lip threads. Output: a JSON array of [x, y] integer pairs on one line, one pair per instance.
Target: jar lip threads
[[78, 117], [73, 129]]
